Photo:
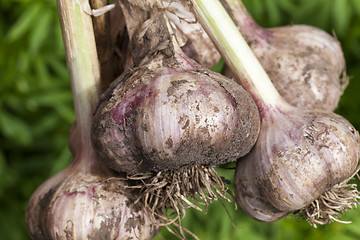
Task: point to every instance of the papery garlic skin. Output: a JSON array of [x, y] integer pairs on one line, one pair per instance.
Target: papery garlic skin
[[192, 38], [298, 156], [167, 111], [76, 204], [172, 116], [166, 121], [304, 63]]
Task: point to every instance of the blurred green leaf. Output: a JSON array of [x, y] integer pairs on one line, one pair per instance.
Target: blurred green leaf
[[219, 66], [323, 15], [15, 129], [53, 97], [23, 61], [26, 22], [66, 113], [42, 72], [342, 15], [45, 125], [273, 11], [63, 160], [58, 67], [40, 33], [3, 172], [256, 7], [356, 5], [306, 9], [287, 6]]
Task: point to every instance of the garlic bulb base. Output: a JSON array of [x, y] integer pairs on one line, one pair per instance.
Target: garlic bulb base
[[328, 207]]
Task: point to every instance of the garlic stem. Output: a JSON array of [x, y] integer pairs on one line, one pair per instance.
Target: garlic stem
[[236, 52], [83, 64]]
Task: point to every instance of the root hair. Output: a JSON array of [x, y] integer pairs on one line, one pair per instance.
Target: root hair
[[167, 194], [328, 207]]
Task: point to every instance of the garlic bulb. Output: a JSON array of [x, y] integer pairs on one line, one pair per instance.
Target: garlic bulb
[[87, 201], [192, 38], [302, 159], [167, 111], [299, 156], [305, 64], [166, 121], [173, 116]]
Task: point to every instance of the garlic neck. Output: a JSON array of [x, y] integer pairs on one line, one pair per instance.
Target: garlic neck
[[252, 32], [149, 31]]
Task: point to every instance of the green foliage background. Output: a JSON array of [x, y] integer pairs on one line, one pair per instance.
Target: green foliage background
[[36, 112]]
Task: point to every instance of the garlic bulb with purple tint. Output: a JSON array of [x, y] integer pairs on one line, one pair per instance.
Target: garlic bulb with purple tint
[[87, 201], [166, 111], [173, 116], [298, 157], [167, 122], [303, 159], [305, 64]]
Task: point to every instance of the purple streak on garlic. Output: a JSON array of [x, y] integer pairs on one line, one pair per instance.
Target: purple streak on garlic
[[86, 201], [305, 64]]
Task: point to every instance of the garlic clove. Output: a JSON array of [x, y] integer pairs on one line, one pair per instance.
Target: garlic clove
[[250, 199]]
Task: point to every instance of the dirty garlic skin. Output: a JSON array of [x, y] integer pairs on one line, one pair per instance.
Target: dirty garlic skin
[[173, 116], [303, 160], [167, 111], [166, 122], [306, 64], [87, 201], [297, 158], [308, 76], [86, 208]]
